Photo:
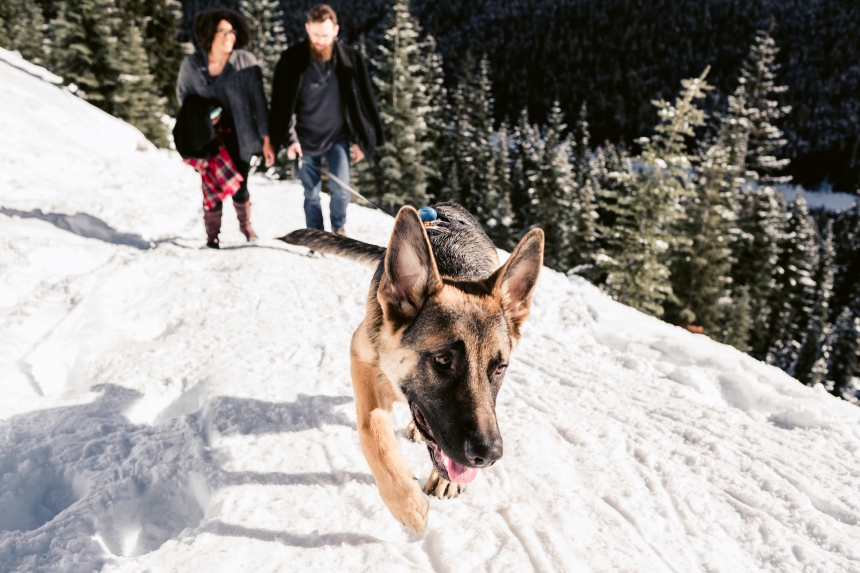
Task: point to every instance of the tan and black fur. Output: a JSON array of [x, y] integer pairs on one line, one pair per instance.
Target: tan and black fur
[[442, 320]]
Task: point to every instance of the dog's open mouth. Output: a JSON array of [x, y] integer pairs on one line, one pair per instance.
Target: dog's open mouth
[[447, 468]]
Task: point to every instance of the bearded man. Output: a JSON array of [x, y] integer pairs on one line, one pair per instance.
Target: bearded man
[[323, 107]]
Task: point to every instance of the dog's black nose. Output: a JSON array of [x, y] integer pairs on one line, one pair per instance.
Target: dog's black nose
[[483, 452]]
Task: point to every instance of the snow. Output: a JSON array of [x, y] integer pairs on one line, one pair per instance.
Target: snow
[[13, 58], [171, 408], [824, 198]]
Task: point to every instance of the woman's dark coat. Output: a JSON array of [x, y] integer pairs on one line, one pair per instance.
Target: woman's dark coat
[[362, 116], [239, 88], [193, 133]]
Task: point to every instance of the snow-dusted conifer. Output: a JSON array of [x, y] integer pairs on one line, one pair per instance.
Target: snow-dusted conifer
[[268, 40], [23, 29], [611, 169], [527, 148], [399, 175], [843, 368], [495, 212], [738, 320], [583, 231], [762, 220], [794, 297], [469, 151], [137, 101], [756, 104], [761, 214], [554, 192], [434, 111], [700, 271], [643, 235], [812, 356], [84, 50], [158, 21]]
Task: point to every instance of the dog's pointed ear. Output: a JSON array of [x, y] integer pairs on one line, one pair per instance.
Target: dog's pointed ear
[[515, 282], [410, 276]]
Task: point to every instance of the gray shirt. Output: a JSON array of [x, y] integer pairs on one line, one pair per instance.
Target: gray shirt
[[239, 88], [319, 112]]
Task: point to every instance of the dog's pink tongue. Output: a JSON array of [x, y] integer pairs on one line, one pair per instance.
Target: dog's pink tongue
[[456, 472]]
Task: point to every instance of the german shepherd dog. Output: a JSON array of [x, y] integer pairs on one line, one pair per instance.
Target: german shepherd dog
[[442, 320]]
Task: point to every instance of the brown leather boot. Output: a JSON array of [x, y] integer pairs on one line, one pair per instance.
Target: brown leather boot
[[212, 222], [243, 213]]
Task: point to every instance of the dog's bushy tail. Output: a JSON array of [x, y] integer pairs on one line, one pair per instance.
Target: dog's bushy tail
[[329, 243]]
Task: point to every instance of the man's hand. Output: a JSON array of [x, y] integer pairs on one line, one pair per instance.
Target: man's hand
[[357, 153], [294, 150], [268, 151]]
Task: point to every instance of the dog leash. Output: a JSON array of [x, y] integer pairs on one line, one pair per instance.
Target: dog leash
[[348, 188], [428, 214]]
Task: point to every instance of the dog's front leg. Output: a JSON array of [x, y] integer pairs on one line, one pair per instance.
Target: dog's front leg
[[397, 486]]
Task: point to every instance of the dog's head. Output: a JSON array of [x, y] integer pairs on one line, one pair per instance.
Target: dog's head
[[446, 344]]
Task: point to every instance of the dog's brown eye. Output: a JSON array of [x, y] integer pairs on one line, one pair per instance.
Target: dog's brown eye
[[443, 360], [501, 369]]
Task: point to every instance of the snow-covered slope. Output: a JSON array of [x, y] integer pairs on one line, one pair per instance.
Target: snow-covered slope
[[171, 408]]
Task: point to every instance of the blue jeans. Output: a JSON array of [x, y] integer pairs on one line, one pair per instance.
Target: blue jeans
[[338, 164]]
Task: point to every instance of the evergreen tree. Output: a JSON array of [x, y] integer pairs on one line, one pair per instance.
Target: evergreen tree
[[84, 50], [458, 141], [642, 235], [158, 21], [811, 361], [433, 109], [553, 192], [843, 369], [754, 141], [794, 297], [468, 152], [399, 175], [611, 170], [527, 148], [761, 220], [843, 372], [7, 13], [756, 105], [700, 274], [495, 212], [268, 40], [583, 232], [739, 320], [23, 26], [846, 233], [136, 100]]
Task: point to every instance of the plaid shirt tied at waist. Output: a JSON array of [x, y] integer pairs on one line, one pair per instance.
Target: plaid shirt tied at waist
[[219, 175]]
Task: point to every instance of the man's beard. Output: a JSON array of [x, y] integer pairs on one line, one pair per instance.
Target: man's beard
[[324, 55]]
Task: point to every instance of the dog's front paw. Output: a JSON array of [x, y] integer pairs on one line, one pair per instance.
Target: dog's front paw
[[408, 505], [413, 433], [442, 488]]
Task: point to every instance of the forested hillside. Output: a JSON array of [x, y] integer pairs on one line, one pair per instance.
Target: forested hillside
[[618, 55], [648, 142]]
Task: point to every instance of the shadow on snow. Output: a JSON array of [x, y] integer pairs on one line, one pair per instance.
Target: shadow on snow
[[83, 482]]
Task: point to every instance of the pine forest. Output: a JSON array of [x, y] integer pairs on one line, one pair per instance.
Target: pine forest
[[651, 142]]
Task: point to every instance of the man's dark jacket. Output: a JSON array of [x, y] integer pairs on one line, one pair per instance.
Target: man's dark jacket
[[356, 93]]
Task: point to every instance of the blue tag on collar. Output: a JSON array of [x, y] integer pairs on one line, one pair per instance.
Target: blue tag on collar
[[427, 214]]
